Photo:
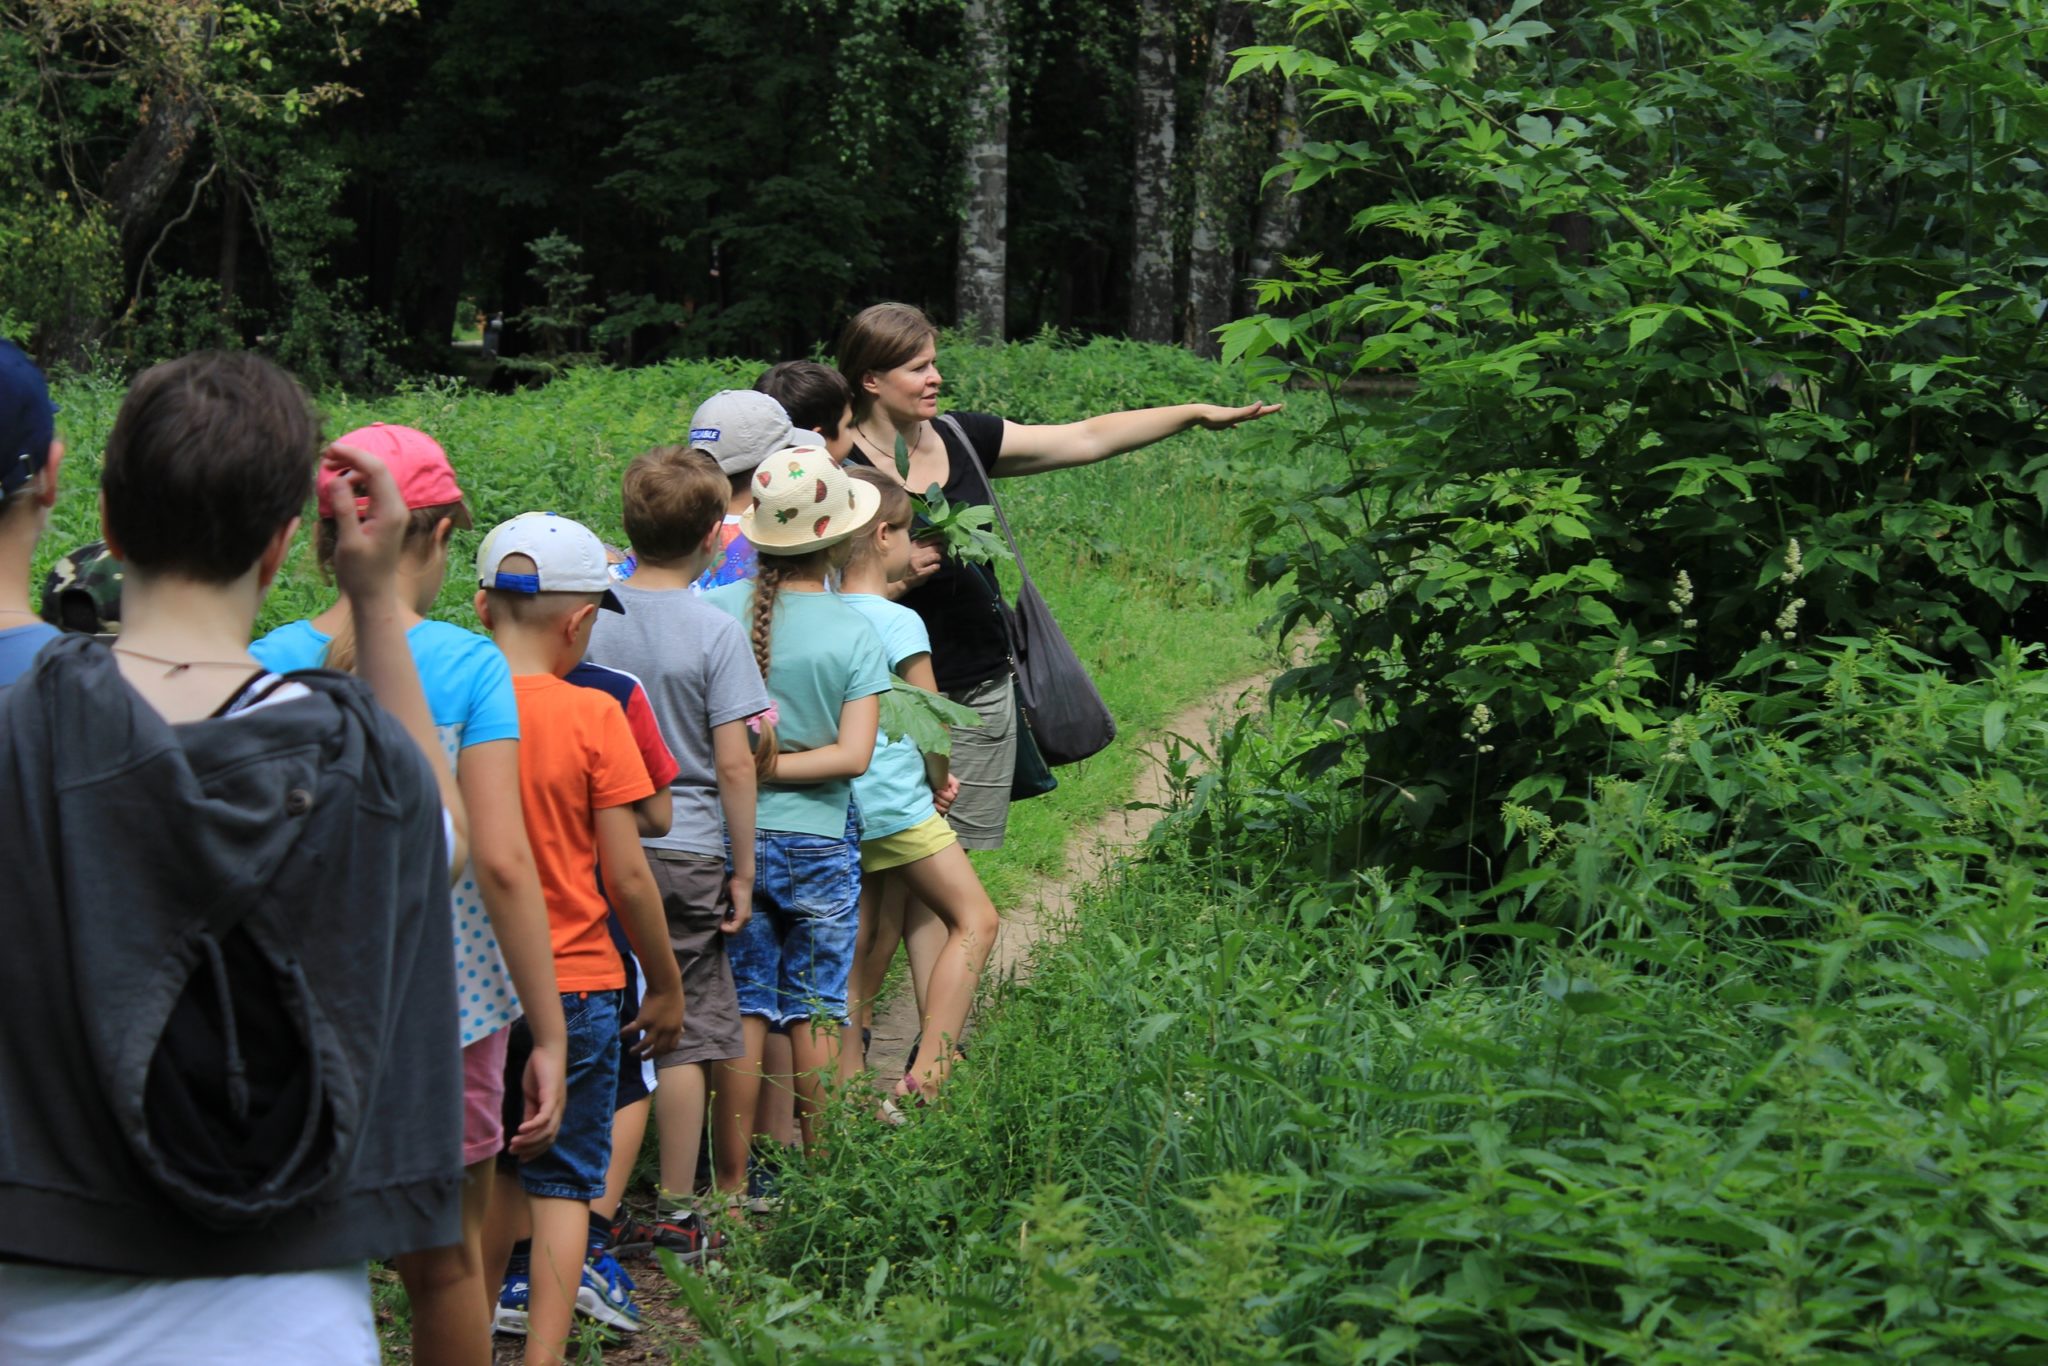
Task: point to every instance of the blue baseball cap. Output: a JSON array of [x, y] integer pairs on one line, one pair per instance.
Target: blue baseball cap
[[28, 420]]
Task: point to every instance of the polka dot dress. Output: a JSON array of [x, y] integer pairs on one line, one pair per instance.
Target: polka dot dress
[[485, 1001]]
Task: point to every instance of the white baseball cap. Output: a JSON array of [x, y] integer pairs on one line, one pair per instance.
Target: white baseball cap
[[567, 558]]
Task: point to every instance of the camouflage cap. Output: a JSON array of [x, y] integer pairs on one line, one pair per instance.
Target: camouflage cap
[[82, 591]]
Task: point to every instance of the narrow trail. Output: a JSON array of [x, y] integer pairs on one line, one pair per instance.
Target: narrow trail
[[1091, 851]]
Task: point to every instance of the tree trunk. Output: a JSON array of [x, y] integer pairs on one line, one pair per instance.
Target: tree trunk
[[1211, 257], [1279, 209], [982, 278], [228, 265], [1152, 177], [143, 178]]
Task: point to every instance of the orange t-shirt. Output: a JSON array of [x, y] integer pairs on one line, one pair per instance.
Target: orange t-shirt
[[576, 758]]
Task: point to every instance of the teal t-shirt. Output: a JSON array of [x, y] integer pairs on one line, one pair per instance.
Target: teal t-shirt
[[822, 654], [893, 795]]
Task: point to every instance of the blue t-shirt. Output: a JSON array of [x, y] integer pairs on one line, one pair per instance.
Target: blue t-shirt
[[822, 654], [19, 646], [469, 694], [894, 794]]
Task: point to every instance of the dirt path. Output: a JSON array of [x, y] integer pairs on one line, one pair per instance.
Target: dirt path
[[1090, 852]]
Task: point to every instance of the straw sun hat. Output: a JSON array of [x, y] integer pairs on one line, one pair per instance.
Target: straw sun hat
[[802, 501]]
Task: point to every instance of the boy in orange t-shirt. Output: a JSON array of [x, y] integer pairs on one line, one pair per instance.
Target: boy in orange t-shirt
[[543, 581]]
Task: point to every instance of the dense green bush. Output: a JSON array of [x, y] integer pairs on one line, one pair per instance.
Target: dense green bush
[[1722, 322], [1773, 1097]]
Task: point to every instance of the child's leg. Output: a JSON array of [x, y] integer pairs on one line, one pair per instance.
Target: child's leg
[[506, 1223], [816, 1054], [561, 1238], [946, 882], [775, 1116], [451, 1318], [736, 1091], [561, 1182], [629, 1131], [924, 937], [679, 1114]]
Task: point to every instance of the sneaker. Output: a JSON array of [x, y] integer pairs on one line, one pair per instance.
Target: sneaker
[[628, 1237], [510, 1316], [606, 1294], [683, 1232], [761, 1196]]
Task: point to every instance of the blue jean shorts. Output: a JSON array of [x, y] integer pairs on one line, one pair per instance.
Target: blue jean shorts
[[576, 1166], [791, 960]]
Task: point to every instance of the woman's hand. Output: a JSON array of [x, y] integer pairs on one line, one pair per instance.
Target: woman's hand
[[1218, 419]]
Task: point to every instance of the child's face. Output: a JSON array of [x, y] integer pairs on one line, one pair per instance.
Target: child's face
[[895, 544]]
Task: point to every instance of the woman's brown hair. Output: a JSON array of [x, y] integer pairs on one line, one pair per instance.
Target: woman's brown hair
[[420, 524], [880, 337]]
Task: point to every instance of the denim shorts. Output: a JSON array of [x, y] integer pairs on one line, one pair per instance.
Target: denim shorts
[[576, 1166], [791, 960]]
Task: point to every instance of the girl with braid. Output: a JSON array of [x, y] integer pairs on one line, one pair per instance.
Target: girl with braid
[[825, 670]]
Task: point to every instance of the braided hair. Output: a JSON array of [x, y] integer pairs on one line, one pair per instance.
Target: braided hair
[[769, 572]]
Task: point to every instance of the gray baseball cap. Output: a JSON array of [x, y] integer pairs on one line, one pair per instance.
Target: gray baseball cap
[[739, 428]]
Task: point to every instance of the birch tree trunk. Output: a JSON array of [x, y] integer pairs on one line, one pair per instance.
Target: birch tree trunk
[[1152, 177], [981, 280], [1279, 210], [1211, 265]]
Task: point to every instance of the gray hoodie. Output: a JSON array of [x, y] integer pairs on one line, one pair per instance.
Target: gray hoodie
[[227, 1016]]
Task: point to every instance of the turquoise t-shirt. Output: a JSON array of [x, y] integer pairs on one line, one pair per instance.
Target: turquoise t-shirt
[[469, 693], [822, 654], [893, 795]]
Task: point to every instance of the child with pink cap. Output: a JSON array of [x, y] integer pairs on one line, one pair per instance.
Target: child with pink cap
[[503, 960]]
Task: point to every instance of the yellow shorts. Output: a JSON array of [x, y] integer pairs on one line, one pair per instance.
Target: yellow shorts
[[920, 841]]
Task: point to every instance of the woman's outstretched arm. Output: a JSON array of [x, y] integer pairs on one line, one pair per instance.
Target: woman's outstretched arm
[[1035, 449]]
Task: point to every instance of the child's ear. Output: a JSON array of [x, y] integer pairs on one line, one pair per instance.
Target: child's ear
[[483, 609], [578, 621], [443, 529], [709, 545]]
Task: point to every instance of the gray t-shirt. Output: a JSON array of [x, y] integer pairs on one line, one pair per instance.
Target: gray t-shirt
[[699, 672]]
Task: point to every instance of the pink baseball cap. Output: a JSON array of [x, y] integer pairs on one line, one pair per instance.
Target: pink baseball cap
[[416, 461]]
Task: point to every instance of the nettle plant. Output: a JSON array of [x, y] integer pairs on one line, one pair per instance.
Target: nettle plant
[[1723, 322]]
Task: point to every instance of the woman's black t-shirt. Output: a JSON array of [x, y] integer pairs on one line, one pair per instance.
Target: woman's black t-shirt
[[958, 603]]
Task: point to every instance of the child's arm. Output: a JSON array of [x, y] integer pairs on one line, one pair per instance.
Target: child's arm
[[846, 757], [629, 884], [510, 886], [366, 554], [737, 792], [652, 815]]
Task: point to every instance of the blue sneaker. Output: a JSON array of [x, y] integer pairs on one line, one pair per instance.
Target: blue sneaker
[[510, 1316], [607, 1292]]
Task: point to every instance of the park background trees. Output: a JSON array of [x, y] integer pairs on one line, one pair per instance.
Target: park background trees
[[350, 182]]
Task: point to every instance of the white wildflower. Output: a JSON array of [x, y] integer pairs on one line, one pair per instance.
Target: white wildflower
[[1794, 565], [1681, 594], [1788, 620]]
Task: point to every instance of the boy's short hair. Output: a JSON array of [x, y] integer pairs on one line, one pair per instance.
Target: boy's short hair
[[210, 455], [814, 395], [672, 497]]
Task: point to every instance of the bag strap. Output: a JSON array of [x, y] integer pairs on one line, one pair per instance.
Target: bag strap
[[988, 485]]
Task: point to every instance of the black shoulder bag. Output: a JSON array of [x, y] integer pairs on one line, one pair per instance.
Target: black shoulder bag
[[1066, 714]]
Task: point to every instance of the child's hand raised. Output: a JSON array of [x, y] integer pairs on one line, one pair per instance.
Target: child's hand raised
[[367, 540], [659, 1023]]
